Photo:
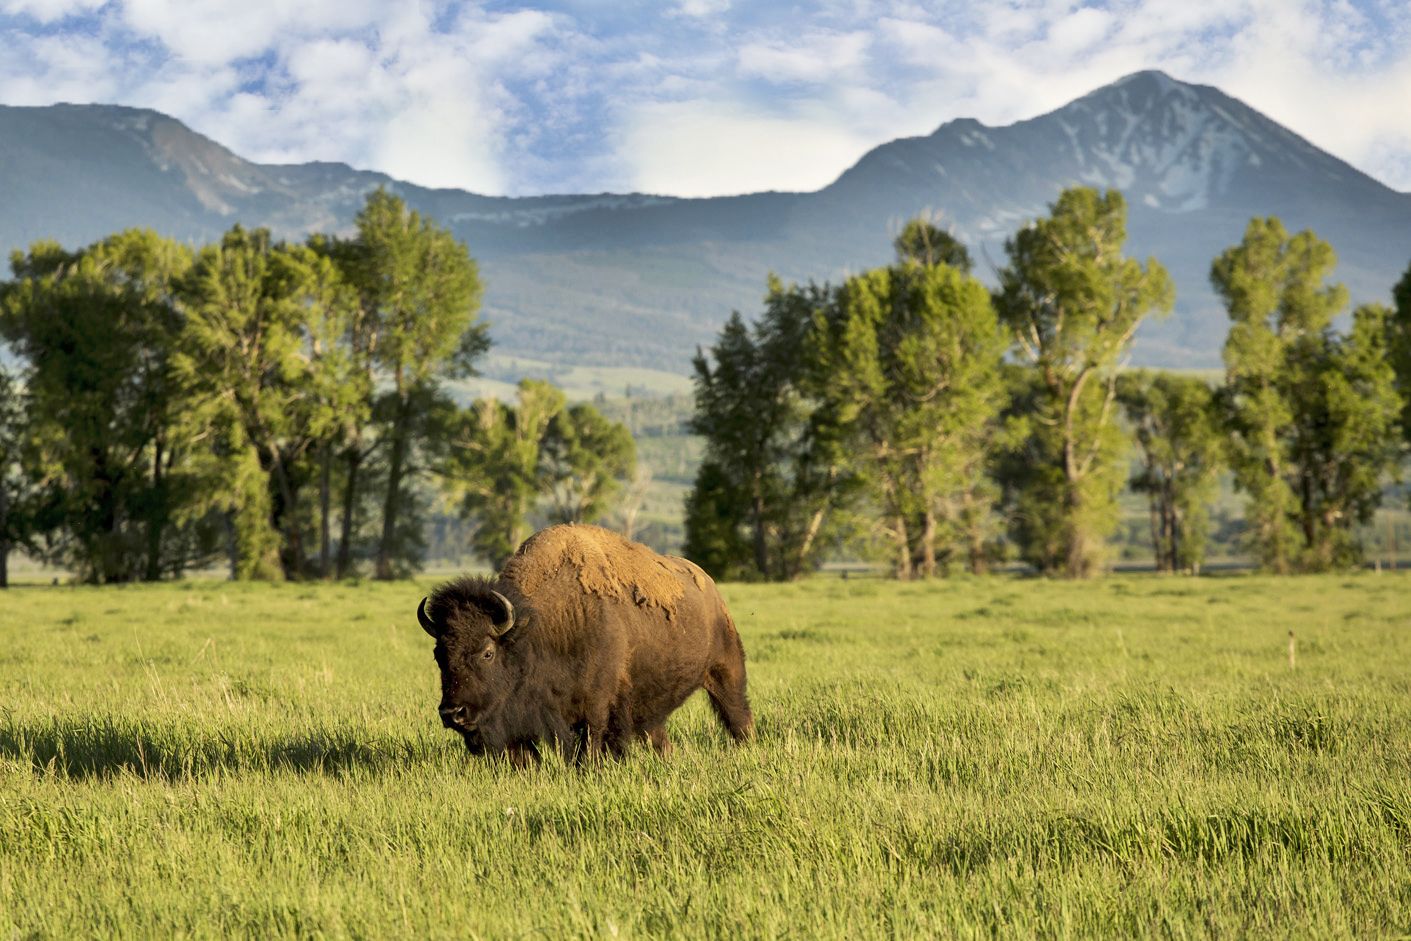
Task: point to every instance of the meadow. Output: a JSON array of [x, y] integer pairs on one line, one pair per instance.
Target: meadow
[[997, 757]]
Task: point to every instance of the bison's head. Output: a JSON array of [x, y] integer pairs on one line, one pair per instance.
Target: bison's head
[[473, 625]]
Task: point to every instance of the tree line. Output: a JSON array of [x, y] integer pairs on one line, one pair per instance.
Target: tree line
[[915, 413], [281, 406]]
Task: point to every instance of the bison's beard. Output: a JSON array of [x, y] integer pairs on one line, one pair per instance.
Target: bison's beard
[[520, 754], [474, 741]]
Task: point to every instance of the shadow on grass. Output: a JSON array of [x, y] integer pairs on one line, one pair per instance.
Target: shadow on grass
[[106, 747]]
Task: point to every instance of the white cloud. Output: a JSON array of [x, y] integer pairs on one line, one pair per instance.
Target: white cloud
[[49, 11], [403, 88], [694, 96], [815, 58], [219, 31], [1079, 31], [706, 149], [702, 8]]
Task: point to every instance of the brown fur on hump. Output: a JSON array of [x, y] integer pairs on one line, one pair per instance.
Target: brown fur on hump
[[607, 565]]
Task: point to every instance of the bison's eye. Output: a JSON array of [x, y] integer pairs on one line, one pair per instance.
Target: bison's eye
[[488, 653]]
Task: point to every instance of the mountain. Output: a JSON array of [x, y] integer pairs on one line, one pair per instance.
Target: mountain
[[642, 280]]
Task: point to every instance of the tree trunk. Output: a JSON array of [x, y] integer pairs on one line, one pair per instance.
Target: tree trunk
[[904, 569], [1154, 512], [232, 546], [156, 519], [284, 518], [806, 544], [390, 506], [1173, 511], [4, 533], [928, 543], [761, 554], [324, 486], [979, 559], [350, 504], [107, 570], [1077, 564]]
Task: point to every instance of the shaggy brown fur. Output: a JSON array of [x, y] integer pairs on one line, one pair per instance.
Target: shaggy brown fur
[[608, 639], [605, 564]]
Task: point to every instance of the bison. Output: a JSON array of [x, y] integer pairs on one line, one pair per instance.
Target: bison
[[584, 640]]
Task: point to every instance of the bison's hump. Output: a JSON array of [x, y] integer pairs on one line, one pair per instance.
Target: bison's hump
[[606, 565]]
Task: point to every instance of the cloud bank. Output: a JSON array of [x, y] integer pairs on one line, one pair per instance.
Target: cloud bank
[[691, 97]]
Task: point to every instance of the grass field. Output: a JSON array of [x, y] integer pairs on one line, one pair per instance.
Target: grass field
[[997, 757]]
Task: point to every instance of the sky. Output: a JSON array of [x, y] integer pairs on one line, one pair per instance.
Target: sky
[[688, 97]]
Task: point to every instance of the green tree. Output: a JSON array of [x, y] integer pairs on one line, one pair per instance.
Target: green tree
[[418, 293], [909, 361], [1178, 429], [95, 330], [267, 384], [1072, 301], [716, 530], [585, 460], [1399, 348], [1312, 413], [494, 466], [16, 483], [771, 474], [926, 244]]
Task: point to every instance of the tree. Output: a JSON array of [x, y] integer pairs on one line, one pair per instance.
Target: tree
[[908, 359], [1072, 302], [585, 460], [16, 483], [267, 384], [772, 470], [1399, 348], [1311, 413], [418, 294], [927, 245], [493, 465], [96, 330], [1178, 430]]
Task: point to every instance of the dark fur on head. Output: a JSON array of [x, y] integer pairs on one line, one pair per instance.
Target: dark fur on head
[[461, 596], [481, 669]]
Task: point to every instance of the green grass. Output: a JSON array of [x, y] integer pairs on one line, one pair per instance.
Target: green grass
[[997, 758]]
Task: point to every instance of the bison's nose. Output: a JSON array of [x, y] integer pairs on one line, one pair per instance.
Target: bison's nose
[[455, 717]]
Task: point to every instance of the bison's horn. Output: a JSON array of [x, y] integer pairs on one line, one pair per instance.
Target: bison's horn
[[427, 624], [503, 625]]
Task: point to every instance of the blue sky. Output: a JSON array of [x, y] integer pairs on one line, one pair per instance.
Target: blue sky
[[689, 97]]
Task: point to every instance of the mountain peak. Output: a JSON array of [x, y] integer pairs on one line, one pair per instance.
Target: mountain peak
[[642, 280]]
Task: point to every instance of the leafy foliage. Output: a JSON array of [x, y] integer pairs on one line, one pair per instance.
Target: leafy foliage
[[908, 359], [1072, 302], [1312, 413], [927, 245], [418, 292], [265, 382], [1180, 434], [503, 460], [97, 330], [585, 459], [773, 471]]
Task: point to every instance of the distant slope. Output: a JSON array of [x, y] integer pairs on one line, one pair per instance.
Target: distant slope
[[636, 280]]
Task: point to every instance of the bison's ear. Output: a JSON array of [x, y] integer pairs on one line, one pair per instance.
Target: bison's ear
[[427, 624], [503, 619]]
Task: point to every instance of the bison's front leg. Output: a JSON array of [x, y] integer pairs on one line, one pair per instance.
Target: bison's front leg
[[661, 742], [594, 740], [523, 754]]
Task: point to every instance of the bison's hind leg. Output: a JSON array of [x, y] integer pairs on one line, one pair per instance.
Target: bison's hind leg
[[725, 685]]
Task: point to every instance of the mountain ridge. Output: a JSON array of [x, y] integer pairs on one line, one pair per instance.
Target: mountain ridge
[[642, 279]]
